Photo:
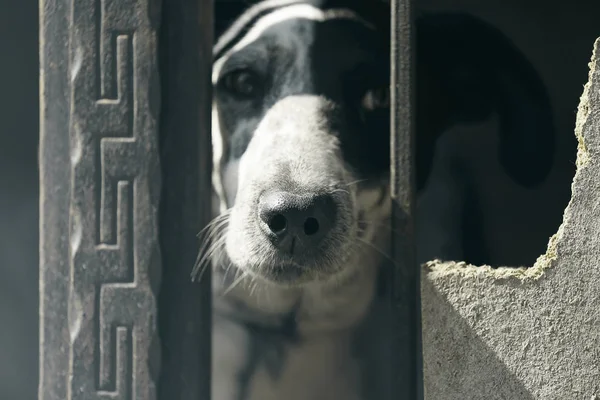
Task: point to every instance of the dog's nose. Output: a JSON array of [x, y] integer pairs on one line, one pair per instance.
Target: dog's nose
[[296, 222]]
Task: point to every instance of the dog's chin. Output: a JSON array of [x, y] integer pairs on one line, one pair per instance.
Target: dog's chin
[[293, 271], [291, 274], [287, 275]]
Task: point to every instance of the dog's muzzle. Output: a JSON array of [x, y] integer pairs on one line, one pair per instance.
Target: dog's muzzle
[[294, 214]]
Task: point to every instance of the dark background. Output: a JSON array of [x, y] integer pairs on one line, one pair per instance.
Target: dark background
[[557, 38]]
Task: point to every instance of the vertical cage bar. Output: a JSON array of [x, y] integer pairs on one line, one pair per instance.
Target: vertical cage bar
[[185, 307], [405, 296], [100, 260]]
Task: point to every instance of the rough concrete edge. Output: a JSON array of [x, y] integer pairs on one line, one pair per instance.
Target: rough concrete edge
[[436, 269]]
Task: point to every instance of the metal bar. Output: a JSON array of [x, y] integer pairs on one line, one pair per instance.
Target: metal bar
[[100, 261], [406, 376], [185, 307]]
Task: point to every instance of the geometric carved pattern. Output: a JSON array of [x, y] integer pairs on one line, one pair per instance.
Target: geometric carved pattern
[[115, 189]]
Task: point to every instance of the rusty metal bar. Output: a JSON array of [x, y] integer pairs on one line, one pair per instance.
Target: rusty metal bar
[[185, 307], [406, 375]]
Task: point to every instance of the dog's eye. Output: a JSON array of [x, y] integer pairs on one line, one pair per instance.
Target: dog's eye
[[376, 98], [243, 83]]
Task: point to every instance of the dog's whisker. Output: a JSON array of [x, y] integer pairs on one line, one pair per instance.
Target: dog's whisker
[[199, 269], [340, 191], [378, 250], [235, 283], [254, 286], [356, 182], [226, 272], [210, 246], [254, 282], [215, 221], [215, 231], [216, 246], [209, 235], [213, 243], [205, 248]]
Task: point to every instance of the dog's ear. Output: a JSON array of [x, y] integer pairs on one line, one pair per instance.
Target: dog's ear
[[469, 70], [376, 12]]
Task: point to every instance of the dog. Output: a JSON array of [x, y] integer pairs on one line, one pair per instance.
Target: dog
[[301, 121]]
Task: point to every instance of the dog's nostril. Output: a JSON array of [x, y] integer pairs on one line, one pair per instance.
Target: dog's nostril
[[285, 217], [277, 223], [311, 226]]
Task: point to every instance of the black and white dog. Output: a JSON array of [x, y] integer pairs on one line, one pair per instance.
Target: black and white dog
[[301, 159]]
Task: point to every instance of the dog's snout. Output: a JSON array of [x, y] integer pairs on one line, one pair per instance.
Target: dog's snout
[[296, 222]]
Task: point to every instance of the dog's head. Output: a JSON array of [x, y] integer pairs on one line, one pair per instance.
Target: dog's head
[[301, 126], [300, 137]]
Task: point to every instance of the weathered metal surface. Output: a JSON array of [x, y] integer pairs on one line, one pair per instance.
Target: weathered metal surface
[[100, 259], [405, 320]]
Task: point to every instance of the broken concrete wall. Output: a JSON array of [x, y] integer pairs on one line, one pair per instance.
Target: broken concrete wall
[[521, 333]]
